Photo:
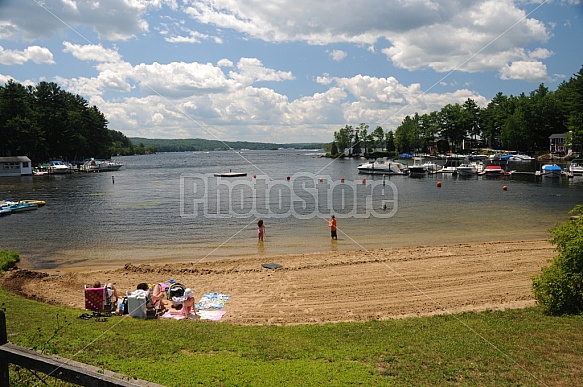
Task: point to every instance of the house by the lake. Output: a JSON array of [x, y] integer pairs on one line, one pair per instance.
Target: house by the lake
[[15, 166]]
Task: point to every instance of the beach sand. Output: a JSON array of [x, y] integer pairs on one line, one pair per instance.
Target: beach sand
[[330, 287]]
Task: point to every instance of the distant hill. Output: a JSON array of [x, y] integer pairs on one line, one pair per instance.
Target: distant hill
[[198, 144]]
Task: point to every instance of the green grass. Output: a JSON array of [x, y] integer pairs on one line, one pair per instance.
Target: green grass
[[8, 259], [516, 347]]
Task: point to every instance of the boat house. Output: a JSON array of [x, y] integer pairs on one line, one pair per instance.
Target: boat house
[[15, 166]]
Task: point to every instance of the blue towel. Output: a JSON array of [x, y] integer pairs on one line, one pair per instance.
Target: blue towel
[[212, 300]]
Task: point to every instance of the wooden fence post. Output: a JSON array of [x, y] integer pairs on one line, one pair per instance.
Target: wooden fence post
[[4, 377]]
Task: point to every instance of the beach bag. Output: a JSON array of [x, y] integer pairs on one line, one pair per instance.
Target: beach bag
[[137, 304]]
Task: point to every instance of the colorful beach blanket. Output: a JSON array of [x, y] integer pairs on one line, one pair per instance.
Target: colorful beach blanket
[[212, 300], [213, 315]]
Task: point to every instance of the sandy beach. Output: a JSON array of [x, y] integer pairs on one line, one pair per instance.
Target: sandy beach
[[330, 287]]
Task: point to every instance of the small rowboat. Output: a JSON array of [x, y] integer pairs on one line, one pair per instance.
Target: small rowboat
[[231, 174]]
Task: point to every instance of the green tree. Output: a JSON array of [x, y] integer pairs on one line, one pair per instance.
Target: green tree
[[378, 135], [559, 287], [334, 149]]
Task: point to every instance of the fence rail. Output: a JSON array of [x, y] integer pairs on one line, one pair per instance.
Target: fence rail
[[58, 367]]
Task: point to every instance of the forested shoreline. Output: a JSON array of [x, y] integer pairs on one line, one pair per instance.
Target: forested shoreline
[[45, 122], [520, 123]]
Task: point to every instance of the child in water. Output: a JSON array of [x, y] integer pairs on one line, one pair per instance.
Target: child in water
[[260, 229], [332, 224]]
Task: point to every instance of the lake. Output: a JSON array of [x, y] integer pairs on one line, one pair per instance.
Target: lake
[[169, 207]]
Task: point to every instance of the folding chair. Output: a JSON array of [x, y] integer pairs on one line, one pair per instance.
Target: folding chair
[[97, 299]]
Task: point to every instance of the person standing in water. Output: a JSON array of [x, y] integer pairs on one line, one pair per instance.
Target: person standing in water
[[332, 224], [260, 229]]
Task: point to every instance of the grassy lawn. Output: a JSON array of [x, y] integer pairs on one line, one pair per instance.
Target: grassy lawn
[[517, 347]]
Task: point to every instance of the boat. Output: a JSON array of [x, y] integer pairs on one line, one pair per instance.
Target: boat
[[98, 165], [448, 169], [493, 170], [230, 174], [576, 167], [58, 167], [520, 157], [39, 203], [21, 207], [5, 210], [418, 168], [469, 169], [431, 167], [551, 170], [383, 166]]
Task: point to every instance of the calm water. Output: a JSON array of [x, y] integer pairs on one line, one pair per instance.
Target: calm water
[[143, 216]]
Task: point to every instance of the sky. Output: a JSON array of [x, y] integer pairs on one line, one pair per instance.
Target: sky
[[285, 71]]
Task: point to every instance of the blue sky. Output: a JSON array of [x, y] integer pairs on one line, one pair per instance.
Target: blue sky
[[285, 71]]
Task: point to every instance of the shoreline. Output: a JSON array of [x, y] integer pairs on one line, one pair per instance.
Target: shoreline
[[316, 288]]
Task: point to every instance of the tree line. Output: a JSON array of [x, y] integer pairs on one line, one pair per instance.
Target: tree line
[[45, 122], [520, 123], [199, 144]]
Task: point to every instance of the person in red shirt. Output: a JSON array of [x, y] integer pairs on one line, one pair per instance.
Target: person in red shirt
[[332, 224]]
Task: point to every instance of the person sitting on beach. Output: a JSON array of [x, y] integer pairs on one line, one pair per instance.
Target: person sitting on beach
[[155, 294], [111, 292], [188, 302]]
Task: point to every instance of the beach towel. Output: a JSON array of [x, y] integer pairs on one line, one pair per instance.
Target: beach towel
[[173, 316], [212, 300], [213, 315]]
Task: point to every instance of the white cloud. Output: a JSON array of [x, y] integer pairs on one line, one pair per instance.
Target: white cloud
[[525, 70], [91, 52], [34, 54], [110, 19], [251, 70], [337, 55]]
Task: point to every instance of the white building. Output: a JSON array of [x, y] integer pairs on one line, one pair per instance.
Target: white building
[[15, 166]]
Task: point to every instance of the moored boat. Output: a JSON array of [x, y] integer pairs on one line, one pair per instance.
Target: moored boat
[[576, 167], [467, 169], [383, 166], [418, 168], [58, 167], [493, 170], [551, 170], [98, 165], [230, 174]]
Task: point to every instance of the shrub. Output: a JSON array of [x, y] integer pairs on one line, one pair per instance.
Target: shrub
[[559, 287], [8, 259]]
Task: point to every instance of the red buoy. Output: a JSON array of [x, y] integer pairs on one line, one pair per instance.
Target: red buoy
[[438, 184], [288, 178], [505, 188], [342, 180]]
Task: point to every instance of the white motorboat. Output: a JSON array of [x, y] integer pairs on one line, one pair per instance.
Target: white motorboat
[[493, 170], [467, 169], [576, 167], [383, 166], [431, 167], [418, 168], [551, 170], [58, 167], [97, 165], [449, 169], [521, 157]]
